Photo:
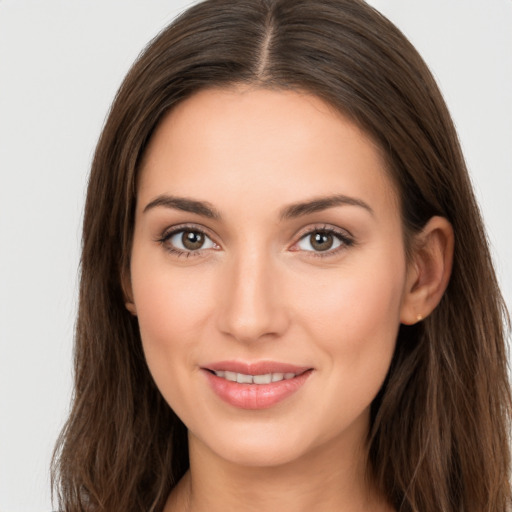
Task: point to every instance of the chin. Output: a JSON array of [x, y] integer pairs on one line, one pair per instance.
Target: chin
[[256, 449], [260, 456]]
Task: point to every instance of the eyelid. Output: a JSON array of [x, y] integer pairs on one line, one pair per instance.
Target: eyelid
[[323, 226], [170, 231], [346, 238]]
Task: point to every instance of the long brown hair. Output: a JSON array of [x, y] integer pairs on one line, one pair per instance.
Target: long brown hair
[[440, 424]]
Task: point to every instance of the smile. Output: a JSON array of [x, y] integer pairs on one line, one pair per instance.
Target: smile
[[266, 378], [255, 386]]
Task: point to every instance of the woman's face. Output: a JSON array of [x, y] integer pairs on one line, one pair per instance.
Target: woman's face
[[267, 242]]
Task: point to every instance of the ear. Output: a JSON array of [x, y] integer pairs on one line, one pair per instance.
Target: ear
[[429, 270], [126, 285]]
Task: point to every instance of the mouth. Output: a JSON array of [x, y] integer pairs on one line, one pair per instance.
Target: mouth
[[255, 385], [243, 378]]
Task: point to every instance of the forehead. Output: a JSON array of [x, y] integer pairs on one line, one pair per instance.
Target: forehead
[[262, 144]]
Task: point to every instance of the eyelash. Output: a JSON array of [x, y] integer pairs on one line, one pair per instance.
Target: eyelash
[[346, 240], [167, 235]]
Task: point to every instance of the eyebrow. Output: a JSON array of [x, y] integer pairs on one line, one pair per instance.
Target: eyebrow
[[322, 203], [292, 211], [184, 204]]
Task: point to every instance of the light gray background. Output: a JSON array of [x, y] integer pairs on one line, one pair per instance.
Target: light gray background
[[60, 65]]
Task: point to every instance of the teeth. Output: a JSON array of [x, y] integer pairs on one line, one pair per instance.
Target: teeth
[[242, 378], [262, 379], [230, 376]]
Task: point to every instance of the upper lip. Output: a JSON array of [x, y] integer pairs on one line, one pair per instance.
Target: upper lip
[[256, 368]]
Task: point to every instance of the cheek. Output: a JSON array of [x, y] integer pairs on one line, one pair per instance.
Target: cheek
[[354, 319], [354, 305], [355, 328], [168, 306], [173, 307], [172, 310]]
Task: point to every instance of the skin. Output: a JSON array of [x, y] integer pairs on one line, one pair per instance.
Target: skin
[[258, 290]]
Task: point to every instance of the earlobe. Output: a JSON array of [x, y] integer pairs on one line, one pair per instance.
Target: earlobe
[[130, 306], [429, 270], [127, 292]]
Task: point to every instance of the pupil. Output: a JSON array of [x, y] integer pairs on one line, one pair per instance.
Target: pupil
[[192, 240], [321, 241]]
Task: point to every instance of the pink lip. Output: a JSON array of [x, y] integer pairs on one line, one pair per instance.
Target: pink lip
[[255, 396]]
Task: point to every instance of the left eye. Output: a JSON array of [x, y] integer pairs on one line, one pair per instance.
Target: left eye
[[190, 240], [320, 241]]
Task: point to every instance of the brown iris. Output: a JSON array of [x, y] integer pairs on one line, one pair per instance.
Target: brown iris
[[192, 240], [321, 241]]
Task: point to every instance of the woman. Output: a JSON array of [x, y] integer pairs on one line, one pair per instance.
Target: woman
[[287, 300]]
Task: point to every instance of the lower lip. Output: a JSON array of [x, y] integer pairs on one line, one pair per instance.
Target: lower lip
[[255, 396]]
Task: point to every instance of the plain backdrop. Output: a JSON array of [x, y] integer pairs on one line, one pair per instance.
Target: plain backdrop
[[60, 65]]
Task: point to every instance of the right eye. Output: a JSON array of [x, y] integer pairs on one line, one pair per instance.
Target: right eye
[[187, 241]]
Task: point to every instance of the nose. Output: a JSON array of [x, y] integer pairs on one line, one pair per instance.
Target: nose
[[252, 305]]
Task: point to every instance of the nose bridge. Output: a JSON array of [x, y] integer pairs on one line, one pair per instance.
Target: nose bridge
[[252, 305]]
